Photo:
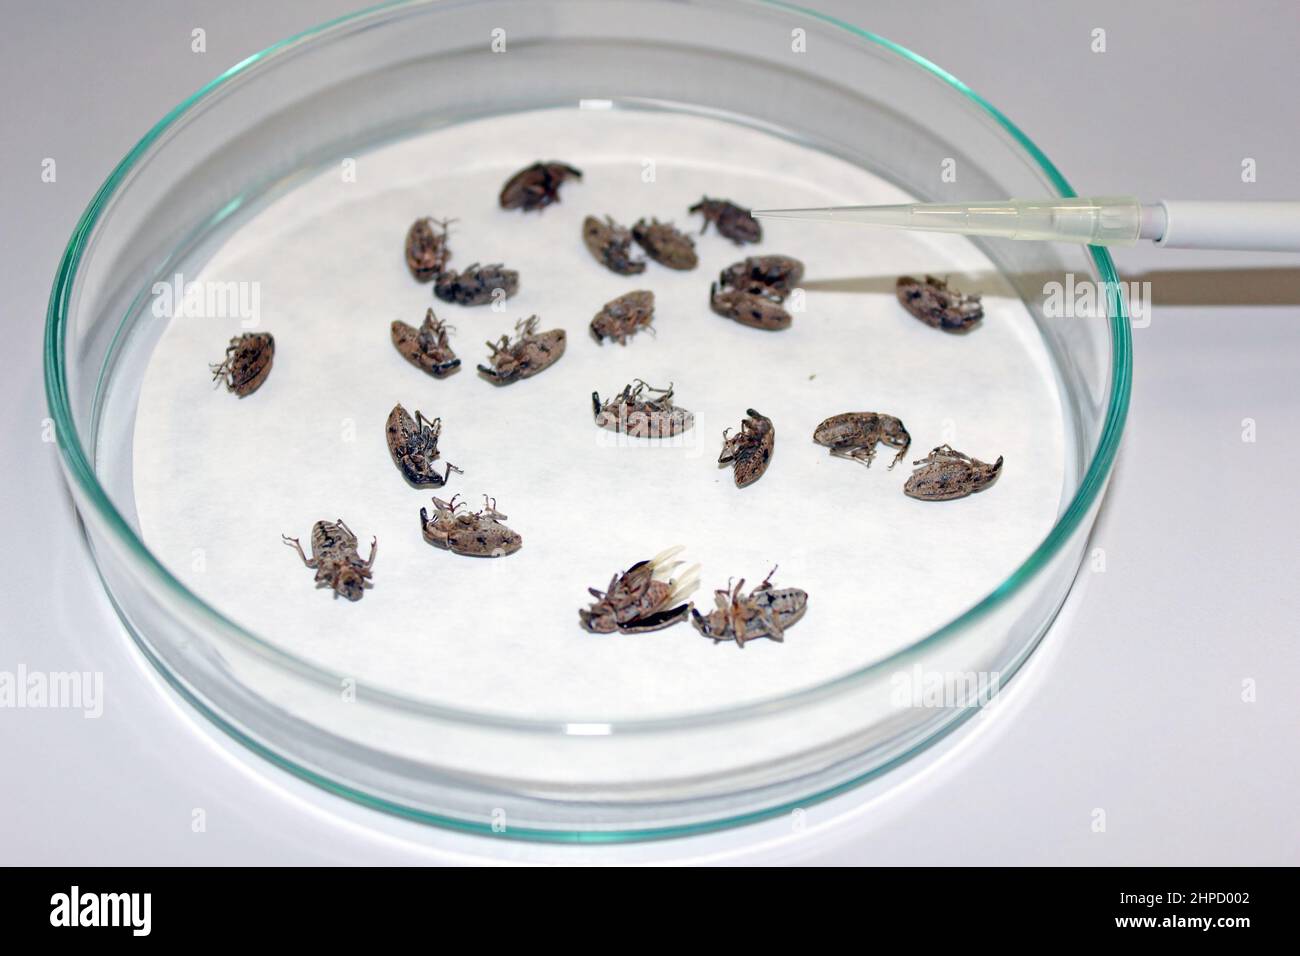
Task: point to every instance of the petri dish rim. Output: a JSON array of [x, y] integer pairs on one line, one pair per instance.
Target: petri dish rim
[[81, 471]]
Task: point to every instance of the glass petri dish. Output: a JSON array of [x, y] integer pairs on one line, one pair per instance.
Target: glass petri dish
[[269, 128]]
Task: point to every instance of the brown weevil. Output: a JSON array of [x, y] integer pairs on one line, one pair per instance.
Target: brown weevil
[[945, 474], [477, 284], [247, 363], [426, 347], [413, 443], [666, 244], [530, 352], [476, 534], [937, 305], [764, 612], [536, 186], [611, 245], [642, 598], [855, 435], [635, 413], [427, 252], [750, 449], [772, 277], [335, 558], [749, 309], [732, 221], [621, 318]]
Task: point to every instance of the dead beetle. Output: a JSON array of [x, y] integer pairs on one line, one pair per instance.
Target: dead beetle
[[937, 305], [611, 245], [479, 534], [427, 347], [621, 318], [247, 363], [750, 449], [530, 352], [732, 221], [666, 244], [945, 474], [335, 558], [855, 435], [536, 186], [764, 612], [477, 285]]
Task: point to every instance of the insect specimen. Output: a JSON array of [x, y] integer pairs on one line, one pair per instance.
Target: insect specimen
[[427, 252], [477, 534], [247, 363], [937, 305], [945, 474], [536, 186], [764, 612], [642, 598], [611, 244], [666, 244], [621, 318], [749, 309], [634, 413], [426, 347], [772, 277], [530, 352], [856, 434], [732, 221], [413, 443], [750, 449], [477, 285], [335, 558]]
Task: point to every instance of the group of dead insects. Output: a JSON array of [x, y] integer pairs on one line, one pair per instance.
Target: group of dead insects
[[645, 597], [648, 597]]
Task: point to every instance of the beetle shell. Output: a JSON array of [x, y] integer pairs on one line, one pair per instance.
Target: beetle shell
[[247, 363], [530, 352], [855, 435], [632, 413], [621, 318], [733, 222], [642, 598], [666, 244], [764, 612], [773, 277], [536, 186], [749, 309], [481, 534], [611, 245], [477, 284], [335, 559], [427, 252], [937, 305], [427, 347], [413, 443], [750, 450], [945, 474]]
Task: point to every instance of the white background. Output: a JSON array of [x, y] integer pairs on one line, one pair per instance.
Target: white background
[[1134, 702]]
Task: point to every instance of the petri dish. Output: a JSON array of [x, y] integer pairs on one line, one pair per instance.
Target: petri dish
[[462, 692]]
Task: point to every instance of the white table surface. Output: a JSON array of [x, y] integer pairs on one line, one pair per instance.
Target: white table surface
[[1133, 704]]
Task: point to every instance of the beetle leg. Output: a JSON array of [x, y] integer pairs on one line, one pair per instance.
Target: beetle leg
[[296, 544], [435, 425], [342, 524], [374, 546]]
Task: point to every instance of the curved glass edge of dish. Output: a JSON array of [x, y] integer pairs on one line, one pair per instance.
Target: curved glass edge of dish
[[82, 474]]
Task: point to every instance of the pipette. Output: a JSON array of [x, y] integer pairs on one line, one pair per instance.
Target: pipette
[[1101, 221]]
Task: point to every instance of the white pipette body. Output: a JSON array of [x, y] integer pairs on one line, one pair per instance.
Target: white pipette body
[[1098, 220]]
